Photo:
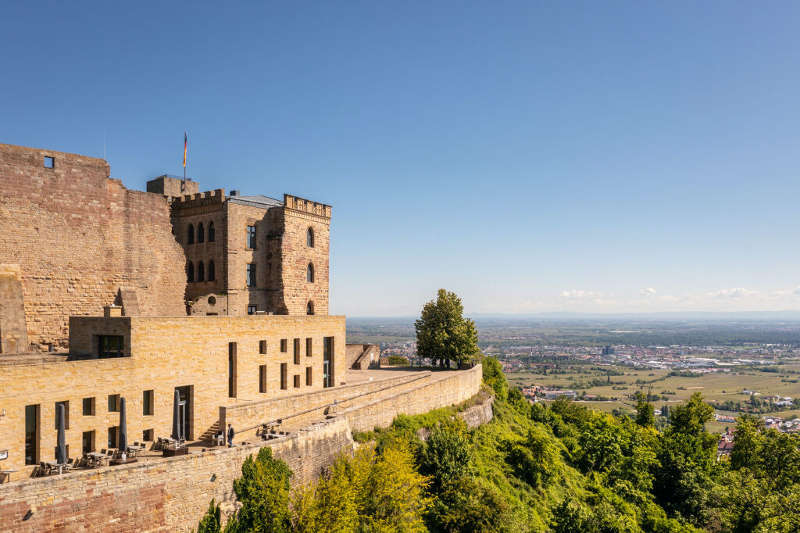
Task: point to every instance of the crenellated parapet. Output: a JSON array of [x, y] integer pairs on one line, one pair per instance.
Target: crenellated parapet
[[306, 206], [200, 199]]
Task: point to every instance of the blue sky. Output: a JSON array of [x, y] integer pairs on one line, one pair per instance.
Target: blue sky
[[531, 156]]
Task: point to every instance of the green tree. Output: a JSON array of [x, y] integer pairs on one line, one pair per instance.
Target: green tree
[[211, 521], [748, 443], [447, 454], [645, 416], [443, 334], [263, 491]]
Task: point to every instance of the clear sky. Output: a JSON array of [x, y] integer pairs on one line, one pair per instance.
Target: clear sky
[[531, 156]]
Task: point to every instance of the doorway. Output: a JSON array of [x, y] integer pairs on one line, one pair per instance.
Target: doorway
[[327, 363], [185, 411]]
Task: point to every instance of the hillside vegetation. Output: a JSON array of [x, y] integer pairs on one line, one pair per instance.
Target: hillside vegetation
[[534, 468]]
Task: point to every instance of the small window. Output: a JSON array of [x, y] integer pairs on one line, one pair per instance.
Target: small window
[[211, 274], [147, 435], [49, 162], [201, 233], [211, 232], [110, 345], [310, 238], [284, 345], [308, 376], [190, 272], [262, 378], [87, 442], [251, 274], [251, 237], [113, 403], [190, 234], [309, 346], [310, 273], [284, 375], [297, 351], [147, 402], [66, 414], [88, 407], [251, 309], [201, 271], [262, 346], [310, 308], [113, 436], [297, 381]]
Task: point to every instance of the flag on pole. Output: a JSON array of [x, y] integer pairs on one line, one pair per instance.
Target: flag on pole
[[185, 147]]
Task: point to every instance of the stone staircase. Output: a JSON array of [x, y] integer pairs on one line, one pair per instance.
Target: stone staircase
[[208, 435]]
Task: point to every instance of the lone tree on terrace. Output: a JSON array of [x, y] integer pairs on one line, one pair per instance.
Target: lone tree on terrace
[[443, 334]]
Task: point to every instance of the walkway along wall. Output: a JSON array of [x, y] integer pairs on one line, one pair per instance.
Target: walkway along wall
[[172, 494]]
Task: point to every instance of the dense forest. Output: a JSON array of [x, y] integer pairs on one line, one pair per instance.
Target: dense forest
[[560, 468]]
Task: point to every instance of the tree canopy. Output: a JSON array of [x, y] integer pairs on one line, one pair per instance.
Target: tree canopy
[[443, 334]]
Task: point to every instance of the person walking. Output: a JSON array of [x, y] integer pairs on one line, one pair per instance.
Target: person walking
[[230, 436]]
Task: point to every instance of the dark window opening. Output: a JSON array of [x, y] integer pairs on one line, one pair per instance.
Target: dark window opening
[[284, 375], [251, 237], [284, 345], [201, 233], [87, 442], [110, 345], [232, 370], [310, 273], [113, 403], [262, 378], [297, 351], [113, 436], [190, 234], [211, 232], [309, 346], [310, 238], [201, 271], [190, 272], [327, 362], [49, 162], [251, 309], [262, 346], [147, 435], [31, 434], [308, 376], [297, 381], [88, 407], [251, 274], [211, 274], [310, 308], [148, 400]]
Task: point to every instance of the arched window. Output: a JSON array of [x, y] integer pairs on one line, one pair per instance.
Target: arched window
[[190, 235], [310, 238], [201, 272], [211, 231], [310, 273], [190, 272], [201, 235], [211, 273], [310, 308]]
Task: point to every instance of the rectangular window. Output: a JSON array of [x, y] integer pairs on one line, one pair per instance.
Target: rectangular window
[[297, 351], [113, 403], [251, 309], [284, 345], [49, 162], [87, 442], [110, 345], [88, 407], [31, 434], [262, 378], [251, 274], [232, 370], [147, 435], [66, 414], [262, 347], [327, 362], [309, 346], [308, 376], [297, 381], [284, 376], [113, 436], [148, 398], [251, 237]]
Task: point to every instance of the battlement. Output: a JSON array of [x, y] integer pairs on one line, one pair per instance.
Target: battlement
[[307, 206], [217, 196]]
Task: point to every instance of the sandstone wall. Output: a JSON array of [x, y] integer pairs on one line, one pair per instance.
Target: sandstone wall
[[79, 236], [13, 333]]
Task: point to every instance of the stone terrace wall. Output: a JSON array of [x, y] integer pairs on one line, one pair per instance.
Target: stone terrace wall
[[167, 495], [80, 236]]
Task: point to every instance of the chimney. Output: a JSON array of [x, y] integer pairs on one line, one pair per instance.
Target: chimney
[[235, 192]]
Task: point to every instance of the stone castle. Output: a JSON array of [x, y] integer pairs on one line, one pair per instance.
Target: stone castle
[[217, 300]]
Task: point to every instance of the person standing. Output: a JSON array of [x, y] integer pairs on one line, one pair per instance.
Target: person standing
[[230, 436]]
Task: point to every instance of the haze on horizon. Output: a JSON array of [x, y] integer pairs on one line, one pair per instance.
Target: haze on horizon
[[582, 157]]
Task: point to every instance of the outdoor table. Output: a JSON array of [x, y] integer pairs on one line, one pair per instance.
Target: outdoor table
[[54, 466], [6, 475], [97, 458]]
